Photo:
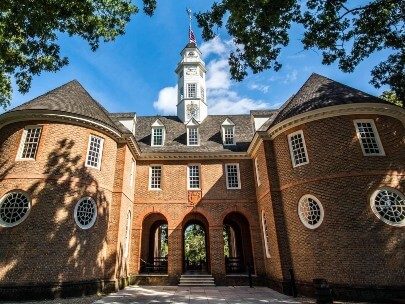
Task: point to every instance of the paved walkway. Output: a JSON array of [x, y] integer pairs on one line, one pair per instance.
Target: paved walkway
[[185, 295]]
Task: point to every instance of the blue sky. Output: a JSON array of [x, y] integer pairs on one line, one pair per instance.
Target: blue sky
[[136, 72]]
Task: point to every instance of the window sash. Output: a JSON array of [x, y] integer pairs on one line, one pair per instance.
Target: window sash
[[229, 135], [194, 176], [232, 176], [192, 136], [29, 143], [157, 136], [265, 234], [155, 177], [368, 137], [94, 152], [298, 150], [191, 90]]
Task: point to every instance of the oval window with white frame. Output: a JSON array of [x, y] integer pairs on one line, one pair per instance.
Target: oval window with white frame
[[14, 208], [388, 205], [85, 213], [310, 211]]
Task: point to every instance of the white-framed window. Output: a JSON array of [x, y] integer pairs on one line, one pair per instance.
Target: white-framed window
[[158, 136], [85, 213], [29, 143], [132, 173], [310, 211], [127, 239], [298, 149], [94, 152], [228, 135], [193, 176], [232, 176], [388, 205], [191, 90], [202, 94], [192, 136], [155, 177], [265, 234], [368, 136], [14, 208], [257, 172]]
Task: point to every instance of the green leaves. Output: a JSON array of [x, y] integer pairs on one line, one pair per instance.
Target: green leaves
[[345, 31], [28, 34]]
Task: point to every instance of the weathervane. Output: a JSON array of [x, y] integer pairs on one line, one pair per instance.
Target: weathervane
[[190, 15], [191, 36]]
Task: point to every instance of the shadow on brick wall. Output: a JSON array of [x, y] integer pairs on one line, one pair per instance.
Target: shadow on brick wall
[[48, 248]]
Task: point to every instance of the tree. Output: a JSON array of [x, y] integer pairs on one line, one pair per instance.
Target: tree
[[29, 34], [345, 31], [194, 243], [391, 97]]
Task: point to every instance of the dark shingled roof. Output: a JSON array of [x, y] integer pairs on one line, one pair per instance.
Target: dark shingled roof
[[257, 113], [70, 98], [124, 115], [209, 130], [319, 92]]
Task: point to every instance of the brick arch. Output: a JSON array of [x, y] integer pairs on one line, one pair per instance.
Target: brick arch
[[139, 218], [245, 212], [208, 216]]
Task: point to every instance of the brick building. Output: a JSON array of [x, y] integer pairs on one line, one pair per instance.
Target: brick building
[[92, 200]]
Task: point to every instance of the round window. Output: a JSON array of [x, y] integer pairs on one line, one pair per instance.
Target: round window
[[310, 211], [389, 206], [14, 208], [85, 213]]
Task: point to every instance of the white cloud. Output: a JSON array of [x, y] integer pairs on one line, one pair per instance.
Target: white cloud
[[221, 96], [167, 100], [260, 87], [291, 76]]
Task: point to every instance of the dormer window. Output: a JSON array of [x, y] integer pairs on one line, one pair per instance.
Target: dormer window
[[193, 136], [228, 132], [158, 133]]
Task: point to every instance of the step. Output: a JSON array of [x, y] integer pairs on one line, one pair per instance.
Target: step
[[196, 280]]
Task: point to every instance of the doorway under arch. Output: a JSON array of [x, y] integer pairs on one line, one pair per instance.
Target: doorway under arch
[[237, 243], [154, 245], [196, 244]]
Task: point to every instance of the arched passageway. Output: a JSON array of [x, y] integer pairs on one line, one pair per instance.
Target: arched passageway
[[154, 246], [237, 243], [195, 244]]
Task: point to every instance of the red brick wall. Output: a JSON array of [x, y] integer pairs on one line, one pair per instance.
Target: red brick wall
[[48, 246], [352, 246], [216, 203]]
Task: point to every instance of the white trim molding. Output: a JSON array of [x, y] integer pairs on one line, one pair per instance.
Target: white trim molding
[[237, 176], [294, 151], [375, 134]]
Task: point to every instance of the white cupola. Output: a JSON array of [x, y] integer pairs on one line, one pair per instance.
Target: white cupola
[[191, 97]]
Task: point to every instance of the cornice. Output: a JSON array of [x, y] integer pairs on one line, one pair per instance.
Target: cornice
[[195, 155], [323, 113], [75, 119]]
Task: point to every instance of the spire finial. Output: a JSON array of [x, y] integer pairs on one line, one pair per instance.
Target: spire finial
[[191, 37]]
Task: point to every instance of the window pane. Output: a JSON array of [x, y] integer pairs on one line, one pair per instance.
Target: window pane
[[298, 149], [155, 177], [192, 90], [233, 176], [194, 176], [158, 136], [192, 136], [93, 156], [368, 138], [31, 143], [228, 135]]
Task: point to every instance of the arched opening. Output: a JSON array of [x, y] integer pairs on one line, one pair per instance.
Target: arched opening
[[154, 246], [237, 243], [195, 244]]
